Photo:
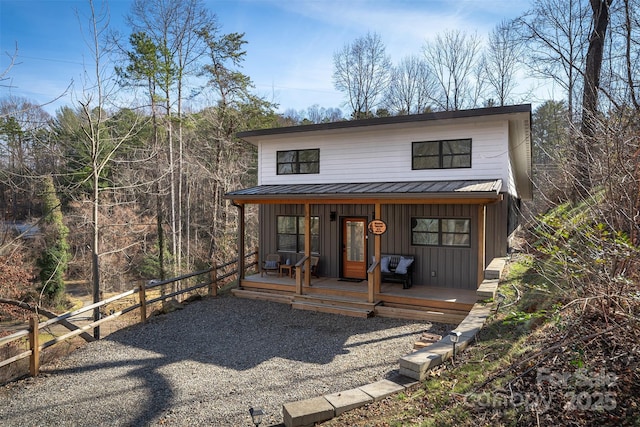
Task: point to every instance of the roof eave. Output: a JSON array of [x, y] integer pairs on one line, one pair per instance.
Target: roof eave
[[478, 197]]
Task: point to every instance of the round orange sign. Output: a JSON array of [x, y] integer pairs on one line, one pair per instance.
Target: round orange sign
[[377, 226]]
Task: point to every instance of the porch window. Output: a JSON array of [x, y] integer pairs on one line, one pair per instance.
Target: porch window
[[445, 154], [441, 232], [291, 234], [298, 162]]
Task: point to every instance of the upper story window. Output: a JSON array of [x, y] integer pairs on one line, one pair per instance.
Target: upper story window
[[298, 161], [445, 154]]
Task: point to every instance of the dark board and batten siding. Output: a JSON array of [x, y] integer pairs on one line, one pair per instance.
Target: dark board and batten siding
[[453, 267]]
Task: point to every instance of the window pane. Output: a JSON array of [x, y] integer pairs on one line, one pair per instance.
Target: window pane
[[462, 240], [309, 168], [315, 244], [285, 168], [315, 225], [425, 239], [426, 162], [458, 146], [455, 225], [461, 161], [298, 221], [355, 243], [286, 156], [287, 242], [457, 161], [425, 224], [309, 156], [449, 239], [429, 148], [287, 224]]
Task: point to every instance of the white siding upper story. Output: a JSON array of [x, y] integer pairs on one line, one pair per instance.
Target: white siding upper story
[[381, 151]]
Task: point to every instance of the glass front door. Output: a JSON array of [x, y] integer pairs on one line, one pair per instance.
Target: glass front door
[[354, 248]]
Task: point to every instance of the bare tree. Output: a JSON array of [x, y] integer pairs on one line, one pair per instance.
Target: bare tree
[[175, 27], [316, 114], [334, 114], [411, 88], [4, 73], [24, 154], [98, 145], [630, 28], [593, 67], [501, 61], [144, 68], [291, 117], [555, 35], [453, 57], [361, 71], [228, 162]]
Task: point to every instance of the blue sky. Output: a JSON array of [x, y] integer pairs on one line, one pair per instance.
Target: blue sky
[[290, 42]]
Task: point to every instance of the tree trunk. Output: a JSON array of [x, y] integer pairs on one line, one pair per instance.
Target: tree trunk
[[95, 264], [593, 67]]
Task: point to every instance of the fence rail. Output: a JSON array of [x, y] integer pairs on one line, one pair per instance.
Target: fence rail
[[212, 281]]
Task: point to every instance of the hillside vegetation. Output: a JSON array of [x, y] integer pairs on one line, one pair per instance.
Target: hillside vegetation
[[561, 350]]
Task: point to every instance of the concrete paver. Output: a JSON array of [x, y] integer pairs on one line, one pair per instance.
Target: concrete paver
[[346, 400], [381, 389], [307, 412]]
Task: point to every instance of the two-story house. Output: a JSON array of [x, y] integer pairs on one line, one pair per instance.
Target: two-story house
[[440, 188]]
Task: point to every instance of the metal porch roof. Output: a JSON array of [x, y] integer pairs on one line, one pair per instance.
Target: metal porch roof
[[440, 189]]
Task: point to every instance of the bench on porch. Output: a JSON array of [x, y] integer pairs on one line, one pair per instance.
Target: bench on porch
[[391, 273]]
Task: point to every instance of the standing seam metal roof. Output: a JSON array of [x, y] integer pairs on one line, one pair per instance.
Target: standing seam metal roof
[[374, 188]]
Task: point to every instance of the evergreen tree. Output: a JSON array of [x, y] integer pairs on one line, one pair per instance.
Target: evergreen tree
[[55, 256]]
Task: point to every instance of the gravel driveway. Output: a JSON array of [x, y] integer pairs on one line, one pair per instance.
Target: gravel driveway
[[208, 363]]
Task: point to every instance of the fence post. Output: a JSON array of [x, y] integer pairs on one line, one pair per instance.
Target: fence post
[[34, 343], [142, 295], [213, 285]]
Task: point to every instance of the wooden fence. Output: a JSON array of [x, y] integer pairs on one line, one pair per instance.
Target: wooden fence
[[211, 278]]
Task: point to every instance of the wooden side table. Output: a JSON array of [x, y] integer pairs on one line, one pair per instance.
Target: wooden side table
[[286, 268]]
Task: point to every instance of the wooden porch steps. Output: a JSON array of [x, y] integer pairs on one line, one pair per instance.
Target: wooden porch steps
[[421, 313], [263, 295], [333, 305]]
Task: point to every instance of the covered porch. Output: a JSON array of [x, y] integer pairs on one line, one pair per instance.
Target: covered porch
[[444, 299]]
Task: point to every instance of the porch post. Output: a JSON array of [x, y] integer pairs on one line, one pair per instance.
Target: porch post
[[377, 249], [307, 244], [241, 225], [481, 242]]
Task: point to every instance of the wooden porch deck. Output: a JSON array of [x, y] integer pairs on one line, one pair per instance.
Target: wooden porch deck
[[327, 294]]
